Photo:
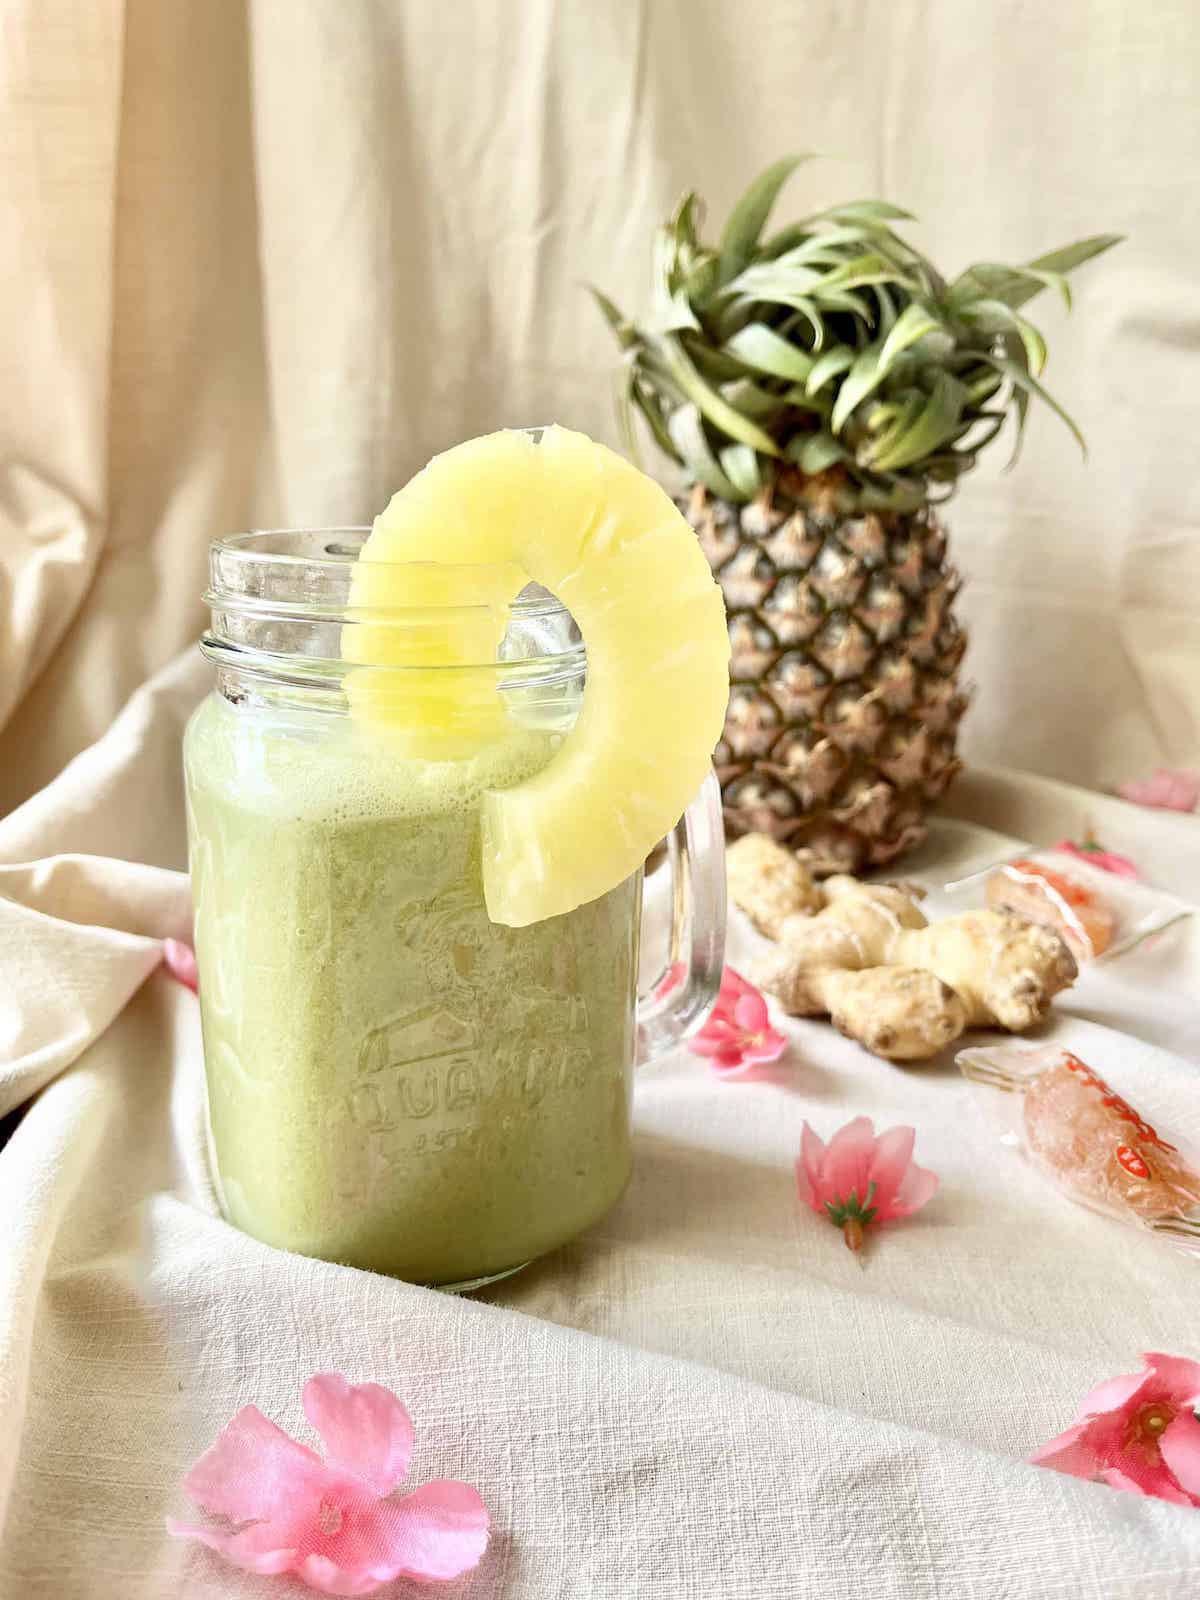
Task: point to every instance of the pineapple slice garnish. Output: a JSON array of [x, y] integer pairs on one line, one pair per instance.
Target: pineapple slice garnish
[[611, 545]]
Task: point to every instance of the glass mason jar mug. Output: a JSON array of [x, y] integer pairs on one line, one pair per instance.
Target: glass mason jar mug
[[394, 1081]]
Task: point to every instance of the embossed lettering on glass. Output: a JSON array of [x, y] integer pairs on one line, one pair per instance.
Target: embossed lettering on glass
[[395, 1081]]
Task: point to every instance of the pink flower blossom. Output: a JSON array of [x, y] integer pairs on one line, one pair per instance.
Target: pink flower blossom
[[858, 1180], [332, 1521], [1096, 856], [1166, 790], [738, 1035], [1138, 1432], [180, 961]]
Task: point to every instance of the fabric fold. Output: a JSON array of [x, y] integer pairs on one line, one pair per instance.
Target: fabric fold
[[78, 937]]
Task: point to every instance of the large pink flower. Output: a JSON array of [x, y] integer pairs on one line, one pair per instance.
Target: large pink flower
[[1138, 1432], [858, 1180], [333, 1521], [738, 1035], [1166, 790]]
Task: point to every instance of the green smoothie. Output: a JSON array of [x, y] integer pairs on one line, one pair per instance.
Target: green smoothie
[[394, 1081]]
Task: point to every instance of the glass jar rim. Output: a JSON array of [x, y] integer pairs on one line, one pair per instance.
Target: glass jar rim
[[341, 547], [280, 606]]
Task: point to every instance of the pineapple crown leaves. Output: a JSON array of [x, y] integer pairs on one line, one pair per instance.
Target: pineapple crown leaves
[[831, 343]]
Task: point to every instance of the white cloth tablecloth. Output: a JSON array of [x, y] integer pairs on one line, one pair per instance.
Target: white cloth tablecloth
[[705, 1396]]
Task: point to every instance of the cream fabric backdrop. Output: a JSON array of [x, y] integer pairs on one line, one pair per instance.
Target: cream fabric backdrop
[[260, 258]]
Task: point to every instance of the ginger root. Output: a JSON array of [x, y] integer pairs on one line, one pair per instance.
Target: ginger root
[[1005, 968], [902, 1013], [901, 986], [768, 882]]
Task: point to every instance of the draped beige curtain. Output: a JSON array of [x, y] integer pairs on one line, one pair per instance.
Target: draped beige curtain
[[260, 258]]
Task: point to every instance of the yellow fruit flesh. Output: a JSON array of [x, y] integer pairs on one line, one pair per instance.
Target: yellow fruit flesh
[[611, 545], [441, 623]]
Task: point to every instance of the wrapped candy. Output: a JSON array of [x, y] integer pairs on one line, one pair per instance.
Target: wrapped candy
[[1101, 914], [1094, 1145], [1073, 909]]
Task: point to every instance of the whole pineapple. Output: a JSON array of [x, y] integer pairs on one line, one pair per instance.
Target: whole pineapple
[[822, 389]]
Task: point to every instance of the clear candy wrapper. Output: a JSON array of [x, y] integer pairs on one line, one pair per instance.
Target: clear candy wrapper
[[1099, 914], [1101, 1152]]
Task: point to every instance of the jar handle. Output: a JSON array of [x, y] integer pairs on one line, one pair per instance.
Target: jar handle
[[677, 1003]]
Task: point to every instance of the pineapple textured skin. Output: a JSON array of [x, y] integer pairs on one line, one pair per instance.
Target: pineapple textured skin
[[845, 703]]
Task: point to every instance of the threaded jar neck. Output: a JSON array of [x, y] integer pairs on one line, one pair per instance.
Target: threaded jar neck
[[285, 626]]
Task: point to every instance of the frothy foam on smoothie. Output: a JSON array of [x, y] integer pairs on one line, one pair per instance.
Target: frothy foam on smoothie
[[351, 774]]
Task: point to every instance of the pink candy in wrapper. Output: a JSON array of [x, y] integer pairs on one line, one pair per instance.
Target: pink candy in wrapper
[[1090, 1141], [1073, 909]]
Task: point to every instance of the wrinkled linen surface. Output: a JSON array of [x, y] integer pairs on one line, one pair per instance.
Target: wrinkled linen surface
[[704, 1396]]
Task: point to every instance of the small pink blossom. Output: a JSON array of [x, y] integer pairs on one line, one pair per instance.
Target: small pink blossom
[[180, 961], [738, 1035], [1166, 790], [1138, 1433], [332, 1521], [858, 1180], [1096, 856]]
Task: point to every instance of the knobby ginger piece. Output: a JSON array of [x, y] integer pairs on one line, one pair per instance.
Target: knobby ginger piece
[[768, 883], [905, 988], [900, 1013], [1005, 968]]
